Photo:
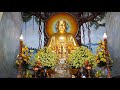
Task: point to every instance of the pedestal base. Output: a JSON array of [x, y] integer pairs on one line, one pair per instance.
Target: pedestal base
[[62, 70]]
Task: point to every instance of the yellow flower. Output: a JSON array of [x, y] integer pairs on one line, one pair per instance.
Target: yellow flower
[[23, 49], [103, 47], [17, 55], [103, 43], [98, 61], [26, 52], [28, 57], [96, 57], [103, 59], [31, 51], [23, 55], [26, 48], [25, 60], [17, 62]]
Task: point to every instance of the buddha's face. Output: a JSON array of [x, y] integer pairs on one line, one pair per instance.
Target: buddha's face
[[61, 26]]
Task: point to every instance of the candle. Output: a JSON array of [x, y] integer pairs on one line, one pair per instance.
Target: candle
[[21, 43], [83, 76], [105, 36], [88, 67], [106, 56], [20, 57], [105, 42]]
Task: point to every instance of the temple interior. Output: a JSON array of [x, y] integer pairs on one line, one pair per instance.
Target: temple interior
[[59, 45]]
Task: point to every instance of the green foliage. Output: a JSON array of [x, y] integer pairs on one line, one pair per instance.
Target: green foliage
[[78, 58], [26, 16], [97, 21], [37, 20], [46, 57], [97, 24]]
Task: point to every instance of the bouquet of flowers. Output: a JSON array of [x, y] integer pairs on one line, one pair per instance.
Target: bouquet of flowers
[[78, 58], [23, 61], [25, 56], [46, 57], [100, 55]]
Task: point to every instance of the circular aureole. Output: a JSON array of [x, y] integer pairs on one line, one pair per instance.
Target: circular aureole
[[72, 24]]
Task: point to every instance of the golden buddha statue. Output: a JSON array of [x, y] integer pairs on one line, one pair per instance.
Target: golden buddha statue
[[62, 42]]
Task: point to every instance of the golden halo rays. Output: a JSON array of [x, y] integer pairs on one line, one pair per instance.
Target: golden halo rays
[[71, 23]]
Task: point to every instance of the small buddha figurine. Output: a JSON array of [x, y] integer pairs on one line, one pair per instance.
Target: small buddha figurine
[[62, 42]]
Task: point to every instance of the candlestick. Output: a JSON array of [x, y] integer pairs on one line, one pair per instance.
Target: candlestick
[[20, 57], [19, 72], [89, 68], [106, 56], [35, 71], [21, 43]]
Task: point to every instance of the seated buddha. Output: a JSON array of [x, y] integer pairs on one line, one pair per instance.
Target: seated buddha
[[62, 42]]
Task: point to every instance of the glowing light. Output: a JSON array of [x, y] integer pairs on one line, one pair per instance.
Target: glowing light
[[105, 36], [72, 24], [21, 37]]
